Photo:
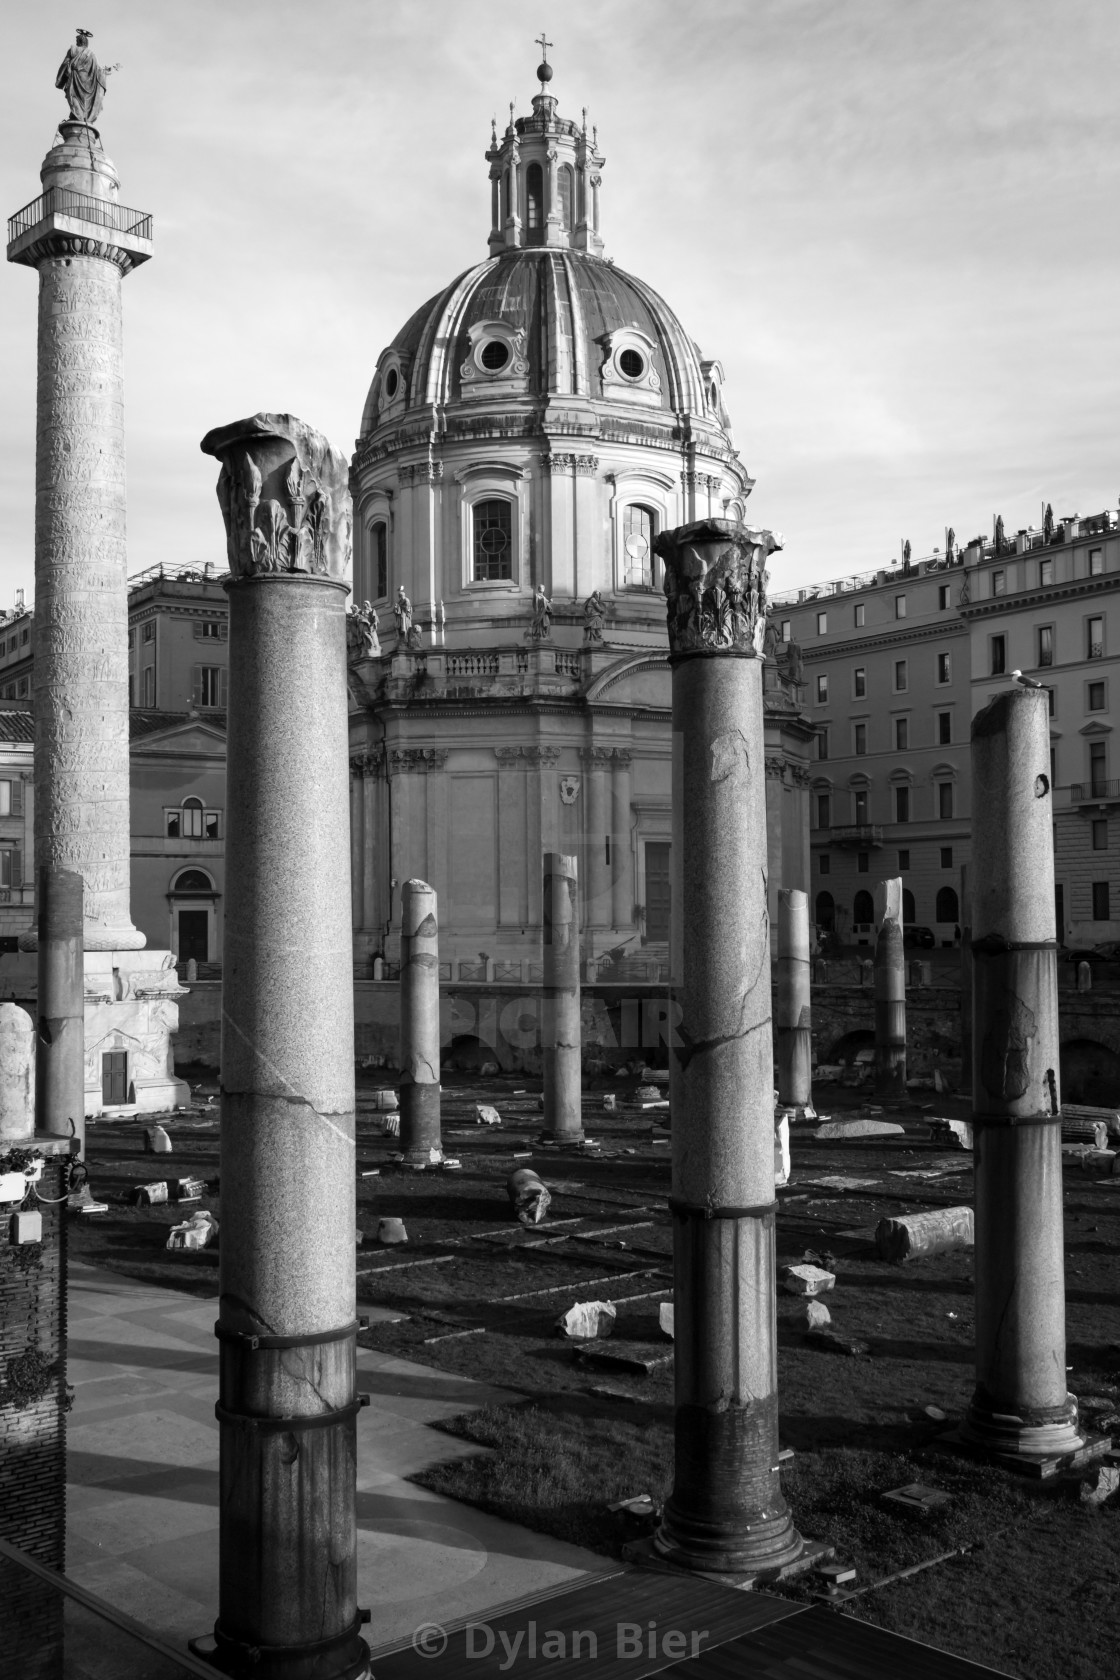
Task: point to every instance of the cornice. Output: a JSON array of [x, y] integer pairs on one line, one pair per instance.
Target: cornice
[[895, 638], [1106, 584]]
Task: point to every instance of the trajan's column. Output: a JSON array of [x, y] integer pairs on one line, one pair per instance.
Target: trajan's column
[[83, 242]]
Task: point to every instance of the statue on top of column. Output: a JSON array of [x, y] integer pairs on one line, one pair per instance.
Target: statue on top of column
[[83, 80]]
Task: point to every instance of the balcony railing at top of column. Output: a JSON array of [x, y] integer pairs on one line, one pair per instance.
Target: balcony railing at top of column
[[64, 201]]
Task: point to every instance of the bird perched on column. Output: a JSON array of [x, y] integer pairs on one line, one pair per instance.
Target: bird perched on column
[[1026, 682]]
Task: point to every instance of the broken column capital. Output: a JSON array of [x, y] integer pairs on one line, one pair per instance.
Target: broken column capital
[[285, 498], [715, 586], [888, 900]]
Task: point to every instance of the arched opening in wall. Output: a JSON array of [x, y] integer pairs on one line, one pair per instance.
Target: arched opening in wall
[[639, 526], [378, 576], [534, 205], [947, 908], [467, 1054], [852, 1048], [1090, 1073], [826, 912], [193, 897], [863, 907], [909, 908], [190, 823], [492, 527], [564, 184], [505, 196]]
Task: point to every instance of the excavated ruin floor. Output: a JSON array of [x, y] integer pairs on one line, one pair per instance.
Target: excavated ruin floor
[[1033, 1585]]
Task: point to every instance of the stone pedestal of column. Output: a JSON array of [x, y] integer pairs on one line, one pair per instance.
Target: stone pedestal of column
[[60, 1006], [286, 1327], [1021, 1406], [420, 1120], [560, 1003], [726, 1514], [890, 993], [795, 1039], [83, 241]]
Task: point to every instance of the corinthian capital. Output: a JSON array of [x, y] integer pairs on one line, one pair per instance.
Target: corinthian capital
[[715, 585], [285, 498]]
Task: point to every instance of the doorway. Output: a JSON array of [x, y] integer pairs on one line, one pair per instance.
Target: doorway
[[114, 1078], [194, 935]]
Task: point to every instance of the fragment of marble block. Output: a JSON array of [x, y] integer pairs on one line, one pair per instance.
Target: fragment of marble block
[[808, 1280], [486, 1115], [528, 1195], [391, 1231], [156, 1141], [914, 1236], [665, 1318], [587, 1321]]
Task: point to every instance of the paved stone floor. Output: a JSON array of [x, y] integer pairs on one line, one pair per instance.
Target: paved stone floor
[[142, 1491]]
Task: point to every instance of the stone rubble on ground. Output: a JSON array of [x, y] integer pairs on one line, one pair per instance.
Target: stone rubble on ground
[[916, 1236], [665, 1321], [528, 1196], [839, 1129], [156, 1141], [807, 1280], [587, 1321], [486, 1115], [194, 1232], [391, 1231]]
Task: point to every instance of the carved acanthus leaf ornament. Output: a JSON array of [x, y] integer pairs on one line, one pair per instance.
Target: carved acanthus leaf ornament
[[284, 496], [715, 585]]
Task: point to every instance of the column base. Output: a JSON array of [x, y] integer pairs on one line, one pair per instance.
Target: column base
[[796, 1111], [557, 1140], [418, 1158], [233, 1658], [1089, 1446], [647, 1554]]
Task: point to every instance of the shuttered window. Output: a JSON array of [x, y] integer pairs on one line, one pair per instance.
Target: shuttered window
[[11, 799], [210, 686], [11, 867]]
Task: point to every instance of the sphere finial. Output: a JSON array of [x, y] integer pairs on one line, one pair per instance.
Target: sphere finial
[[544, 68]]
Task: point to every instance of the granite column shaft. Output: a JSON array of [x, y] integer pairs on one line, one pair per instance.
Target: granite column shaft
[[420, 1086], [1021, 1404], [726, 1513], [560, 999], [286, 1326], [60, 1006], [890, 992], [795, 1039]]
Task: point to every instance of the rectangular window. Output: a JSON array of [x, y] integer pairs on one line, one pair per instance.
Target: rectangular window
[[191, 827], [822, 743], [149, 686], [900, 676], [944, 799], [1100, 902], [1096, 562], [1046, 644], [859, 739], [1100, 834], [946, 857], [944, 728], [210, 685], [904, 859], [943, 597], [999, 583], [787, 629], [902, 804], [824, 864], [1045, 573], [5, 799], [211, 629], [492, 527], [131, 636], [1098, 769], [863, 862], [148, 632], [859, 802], [859, 682], [1095, 697], [658, 878], [944, 668], [902, 734], [858, 615], [380, 559], [212, 824], [824, 810], [1094, 640], [822, 624], [173, 820], [997, 650], [822, 690], [1050, 701], [900, 606]]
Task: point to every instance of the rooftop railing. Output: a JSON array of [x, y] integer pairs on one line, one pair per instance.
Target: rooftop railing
[[64, 201]]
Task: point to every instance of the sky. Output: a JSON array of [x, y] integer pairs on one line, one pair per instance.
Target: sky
[[894, 222]]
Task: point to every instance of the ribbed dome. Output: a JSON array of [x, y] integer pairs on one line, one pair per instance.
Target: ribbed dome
[[573, 309]]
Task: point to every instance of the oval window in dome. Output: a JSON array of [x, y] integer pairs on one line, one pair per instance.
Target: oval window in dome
[[632, 364], [494, 355], [392, 380]]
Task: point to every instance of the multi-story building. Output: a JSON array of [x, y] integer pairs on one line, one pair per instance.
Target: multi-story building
[[17, 806], [15, 651], [1041, 602], [887, 666]]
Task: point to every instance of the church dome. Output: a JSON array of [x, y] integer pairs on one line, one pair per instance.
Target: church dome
[[544, 324]]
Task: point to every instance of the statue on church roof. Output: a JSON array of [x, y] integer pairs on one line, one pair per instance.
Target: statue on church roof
[[1048, 523], [83, 80], [408, 632], [541, 627], [594, 617]]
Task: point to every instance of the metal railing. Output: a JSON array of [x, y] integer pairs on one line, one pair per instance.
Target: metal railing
[[855, 833], [1087, 792], [64, 201]]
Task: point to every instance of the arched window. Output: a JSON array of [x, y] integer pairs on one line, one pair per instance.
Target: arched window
[[534, 205], [863, 910], [505, 196], [638, 526], [564, 182], [948, 906], [379, 559], [492, 526], [909, 912], [192, 819], [192, 881], [826, 912]]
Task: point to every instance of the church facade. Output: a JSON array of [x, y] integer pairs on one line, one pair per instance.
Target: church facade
[[527, 434]]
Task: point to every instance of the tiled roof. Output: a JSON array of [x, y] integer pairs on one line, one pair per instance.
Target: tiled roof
[[141, 723], [16, 725]]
